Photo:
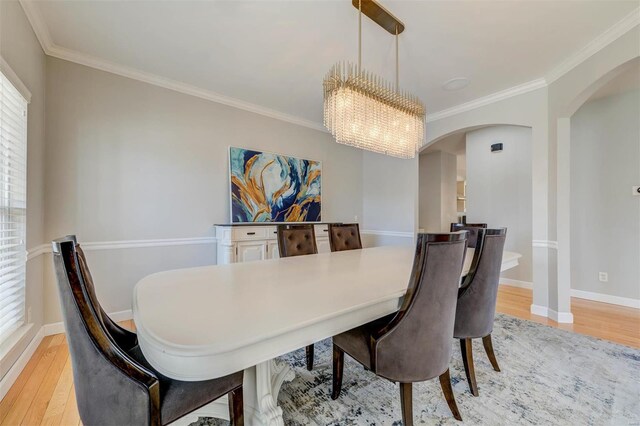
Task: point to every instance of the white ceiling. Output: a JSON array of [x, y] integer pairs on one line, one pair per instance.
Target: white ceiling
[[274, 54]]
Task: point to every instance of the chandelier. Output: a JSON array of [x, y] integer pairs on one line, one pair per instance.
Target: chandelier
[[365, 111]]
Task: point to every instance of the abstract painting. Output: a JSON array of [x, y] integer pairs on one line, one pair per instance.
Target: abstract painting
[[268, 187]]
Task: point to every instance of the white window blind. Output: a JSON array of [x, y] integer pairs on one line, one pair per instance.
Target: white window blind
[[13, 201]]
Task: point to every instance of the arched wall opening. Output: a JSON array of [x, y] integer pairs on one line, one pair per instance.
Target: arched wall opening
[[499, 186], [592, 201]]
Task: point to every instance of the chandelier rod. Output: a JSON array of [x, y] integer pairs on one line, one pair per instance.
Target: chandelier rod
[[359, 35], [397, 64]]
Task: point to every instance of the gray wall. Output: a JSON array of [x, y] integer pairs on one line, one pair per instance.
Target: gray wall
[[499, 188], [390, 188], [128, 161], [20, 48], [437, 191], [605, 216]]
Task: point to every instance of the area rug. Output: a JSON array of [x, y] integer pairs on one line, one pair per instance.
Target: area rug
[[548, 377]]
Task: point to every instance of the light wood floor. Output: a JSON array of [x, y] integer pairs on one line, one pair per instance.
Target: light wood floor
[[44, 394]]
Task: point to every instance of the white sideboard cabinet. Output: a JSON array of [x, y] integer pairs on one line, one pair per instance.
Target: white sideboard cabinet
[[245, 243]]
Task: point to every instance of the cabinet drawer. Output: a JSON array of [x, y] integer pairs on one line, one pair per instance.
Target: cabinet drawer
[[322, 231], [251, 233]]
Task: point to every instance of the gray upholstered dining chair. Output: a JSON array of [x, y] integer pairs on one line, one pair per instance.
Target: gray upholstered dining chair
[[471, 228], [477, 300], [414, 344], [344, 236], [114, 383], [298, 240]]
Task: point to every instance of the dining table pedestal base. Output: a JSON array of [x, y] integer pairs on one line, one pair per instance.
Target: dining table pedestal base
[[261, 386]]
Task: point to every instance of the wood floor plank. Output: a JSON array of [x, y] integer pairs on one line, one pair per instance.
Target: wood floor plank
[[70, 416], [38, 406], [22, 379], [58, 401], [19, 409]]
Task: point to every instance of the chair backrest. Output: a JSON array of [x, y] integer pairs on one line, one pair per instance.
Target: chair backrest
[[124, 338], [471, 228], [344, 236], [416, 344], [110, 386], [477, 299], [296, 240]]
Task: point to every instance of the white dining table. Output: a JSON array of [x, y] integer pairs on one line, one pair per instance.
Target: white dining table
[[206, 322]]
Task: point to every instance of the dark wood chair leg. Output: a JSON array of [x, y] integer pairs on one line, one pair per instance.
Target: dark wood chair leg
[[488, 347], [338, 367], [467, 360], [406, 402], [236, 407], [309, 350], [445, 383]]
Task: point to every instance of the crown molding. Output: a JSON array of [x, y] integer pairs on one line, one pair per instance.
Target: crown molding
[[177, 86], [15, 80], [50, 48], [603, 40], [489, 99]]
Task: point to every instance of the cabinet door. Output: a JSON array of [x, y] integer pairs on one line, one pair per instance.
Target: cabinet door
[[323, 245], [251, 250], [272, 250]]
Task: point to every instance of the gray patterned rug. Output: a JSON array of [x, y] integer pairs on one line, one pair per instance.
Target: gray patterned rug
[[549, 377]]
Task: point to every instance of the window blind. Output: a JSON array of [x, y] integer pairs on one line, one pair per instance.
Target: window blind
[[13, 203]]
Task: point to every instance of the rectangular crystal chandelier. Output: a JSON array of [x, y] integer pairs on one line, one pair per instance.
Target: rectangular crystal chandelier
[[364, 111]]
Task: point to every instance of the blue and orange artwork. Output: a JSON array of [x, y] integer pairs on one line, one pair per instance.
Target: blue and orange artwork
[[269, 187]]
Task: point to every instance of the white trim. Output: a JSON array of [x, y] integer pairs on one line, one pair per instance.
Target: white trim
[[516, 283], [545, 244], [126, 244], [36, 251], [560, 317], [520, 89], [603, 40], [9, 379], [58, 327], [15, 80], [606, 298], [50, 48], [388, 233], [542, 311]]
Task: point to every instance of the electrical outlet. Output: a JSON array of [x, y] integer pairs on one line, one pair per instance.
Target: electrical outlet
[[29, 317], [603, 277], [355, 218], [636, 190]]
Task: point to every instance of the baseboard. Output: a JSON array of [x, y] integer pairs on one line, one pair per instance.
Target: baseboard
[[561, 317], [58, 327], [542, 311], [606, 298], [516, 283], [12, 375]]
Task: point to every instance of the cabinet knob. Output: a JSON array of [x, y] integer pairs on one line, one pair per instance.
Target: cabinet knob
[[251, 233]]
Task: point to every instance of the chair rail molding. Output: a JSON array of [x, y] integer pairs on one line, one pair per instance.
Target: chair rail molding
[[401, 234], [545, 244], [126, 244]]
